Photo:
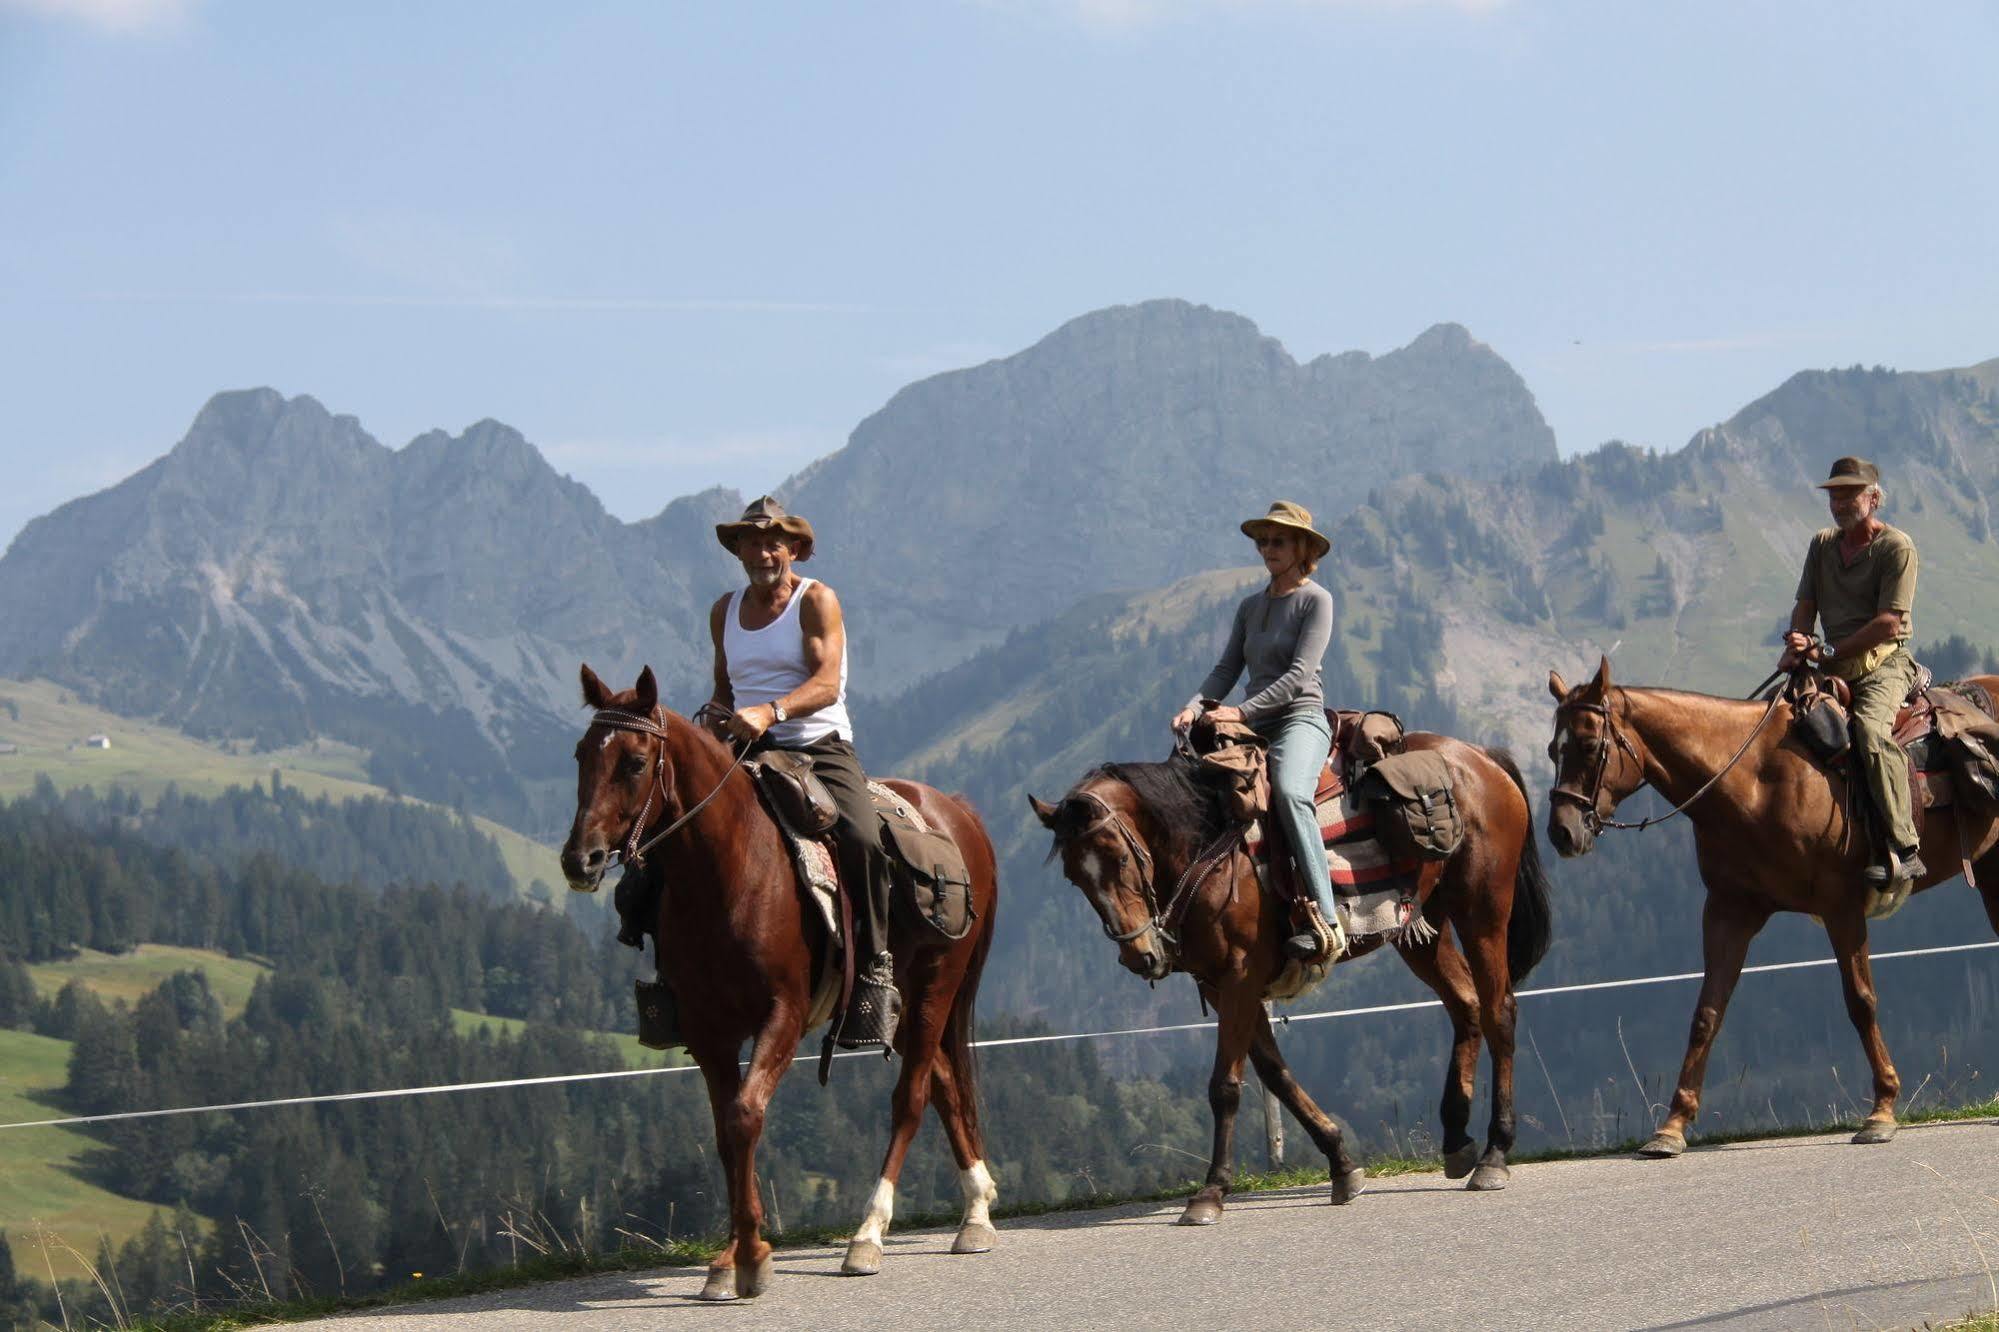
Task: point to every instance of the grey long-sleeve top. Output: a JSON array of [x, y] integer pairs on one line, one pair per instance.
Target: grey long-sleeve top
[[1281, 640]]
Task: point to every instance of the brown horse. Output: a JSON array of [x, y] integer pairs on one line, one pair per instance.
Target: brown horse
[[742, 948], [1128, 833], [1771, 834]]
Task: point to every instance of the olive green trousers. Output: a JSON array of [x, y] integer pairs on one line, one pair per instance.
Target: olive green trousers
[[1877, 697]]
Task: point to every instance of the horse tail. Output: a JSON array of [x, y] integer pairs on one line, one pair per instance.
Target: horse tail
[[1532, 925]]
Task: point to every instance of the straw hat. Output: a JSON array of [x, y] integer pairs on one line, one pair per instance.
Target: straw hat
[[1292, 518], [765, 512]]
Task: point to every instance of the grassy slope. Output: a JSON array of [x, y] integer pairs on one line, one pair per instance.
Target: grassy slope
[[129, 975], [39, 1184], [146, 758]]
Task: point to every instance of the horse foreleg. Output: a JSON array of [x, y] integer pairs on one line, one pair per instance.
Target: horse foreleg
[[917, 1037], [1442, 967], [743, 1268], [1727, 926], [1348, 1179], [1238, 1011], [1856, 978]]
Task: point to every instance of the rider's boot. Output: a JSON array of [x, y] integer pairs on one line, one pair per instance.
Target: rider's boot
[[1321, 940], [872, 1014], [659, 1015]]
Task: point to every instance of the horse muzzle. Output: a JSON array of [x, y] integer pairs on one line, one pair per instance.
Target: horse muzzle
[[1147, 956], [584, 869], [1569, 833]]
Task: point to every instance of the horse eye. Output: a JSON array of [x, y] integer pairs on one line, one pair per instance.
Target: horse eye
[[631, 765]]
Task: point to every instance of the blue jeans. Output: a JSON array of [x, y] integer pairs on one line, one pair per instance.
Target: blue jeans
[[1299, 743]]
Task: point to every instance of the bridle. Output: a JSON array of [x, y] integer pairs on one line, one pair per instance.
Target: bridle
[[655, 724], [1590, 801], [1160, 921]]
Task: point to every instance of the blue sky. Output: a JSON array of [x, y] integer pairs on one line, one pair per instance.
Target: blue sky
[[679, 245]]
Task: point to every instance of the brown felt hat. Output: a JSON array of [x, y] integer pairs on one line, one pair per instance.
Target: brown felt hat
[[765, 512], [1851, 472], [1293, 518]]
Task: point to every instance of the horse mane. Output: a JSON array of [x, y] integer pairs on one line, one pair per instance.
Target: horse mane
[[1187, 809]]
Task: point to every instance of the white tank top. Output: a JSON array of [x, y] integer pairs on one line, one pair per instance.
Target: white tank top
[[768, 663]]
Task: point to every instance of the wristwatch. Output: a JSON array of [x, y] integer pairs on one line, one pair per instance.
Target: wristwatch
[[1826, 653], [777, 713]]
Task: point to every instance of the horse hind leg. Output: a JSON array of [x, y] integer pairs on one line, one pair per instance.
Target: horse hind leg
[[954, 1084], [1349, 1181], [918, 1038], [1442, 967]]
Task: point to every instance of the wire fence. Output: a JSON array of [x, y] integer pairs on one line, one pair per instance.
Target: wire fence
[[444, 1089]]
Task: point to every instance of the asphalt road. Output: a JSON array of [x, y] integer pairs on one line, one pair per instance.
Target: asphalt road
[[1796, 1233]]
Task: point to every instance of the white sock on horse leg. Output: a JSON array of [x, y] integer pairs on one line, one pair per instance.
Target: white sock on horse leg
[[881, 1208], [980, 1191]]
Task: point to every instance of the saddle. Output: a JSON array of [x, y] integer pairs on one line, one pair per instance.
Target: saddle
[[930, 880], [1382, 814]]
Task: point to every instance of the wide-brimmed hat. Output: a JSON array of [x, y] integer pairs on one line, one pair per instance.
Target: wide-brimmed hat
[[1851, 472], [1293, 518], [765, 512]]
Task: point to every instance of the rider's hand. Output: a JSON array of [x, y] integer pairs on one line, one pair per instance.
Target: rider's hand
[[1186, 717], [751, 723]]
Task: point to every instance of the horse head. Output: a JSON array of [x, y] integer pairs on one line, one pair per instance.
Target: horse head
[[1104, 853], [1595, 766], [624, 776]]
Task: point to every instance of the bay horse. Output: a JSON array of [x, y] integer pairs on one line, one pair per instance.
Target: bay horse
[[1128, 833], [1771, 834], [740, 944]]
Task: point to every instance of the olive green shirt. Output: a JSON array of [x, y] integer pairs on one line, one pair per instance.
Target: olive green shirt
[[1882, 577]]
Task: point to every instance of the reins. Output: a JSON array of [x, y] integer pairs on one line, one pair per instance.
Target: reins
[[655, 724], [1588, 803]]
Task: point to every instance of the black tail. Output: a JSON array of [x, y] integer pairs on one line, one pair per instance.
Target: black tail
[[1532, 926]]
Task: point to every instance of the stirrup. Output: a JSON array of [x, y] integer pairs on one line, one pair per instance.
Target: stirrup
[[1328, 939], [875, 1009]]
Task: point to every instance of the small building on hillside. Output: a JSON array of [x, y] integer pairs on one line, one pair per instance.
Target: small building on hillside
[[9, 747], [97, 742]]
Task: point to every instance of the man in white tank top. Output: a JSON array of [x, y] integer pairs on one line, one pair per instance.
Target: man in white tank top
[[781, 681]]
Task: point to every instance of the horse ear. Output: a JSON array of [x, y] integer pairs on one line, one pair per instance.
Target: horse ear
[[595, 695], [1043, 811], [1602, 682], [1557, 685], [647, 690]]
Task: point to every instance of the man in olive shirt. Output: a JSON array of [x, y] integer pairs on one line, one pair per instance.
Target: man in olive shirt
[[1860, 582]]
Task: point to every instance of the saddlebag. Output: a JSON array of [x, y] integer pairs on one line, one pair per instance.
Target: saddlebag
[[1231, 759], [929, 868], [1415, 809], [1819, 722]]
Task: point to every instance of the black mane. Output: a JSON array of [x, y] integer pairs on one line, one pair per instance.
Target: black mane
[[1188, 809]]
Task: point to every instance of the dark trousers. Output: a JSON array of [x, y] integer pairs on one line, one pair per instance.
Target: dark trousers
[[857, 837]]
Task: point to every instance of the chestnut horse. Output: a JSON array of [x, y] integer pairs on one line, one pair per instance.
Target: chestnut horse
[[1130, 833], [1770, 834], [741, 947]]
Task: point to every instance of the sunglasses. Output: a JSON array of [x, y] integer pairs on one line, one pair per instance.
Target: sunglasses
[[1273, 539]]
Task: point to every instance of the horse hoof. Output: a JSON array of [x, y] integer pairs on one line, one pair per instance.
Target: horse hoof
[[864, 1258], [1349, 1186], [1877, 1130], [721, 1284], [1201, 1212], [974, 1237], [754, 1283], [1489, 1178], [1663, 1146], [1459, 1163]]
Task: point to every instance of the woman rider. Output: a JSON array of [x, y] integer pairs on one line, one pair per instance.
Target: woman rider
[[1281, 633]]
